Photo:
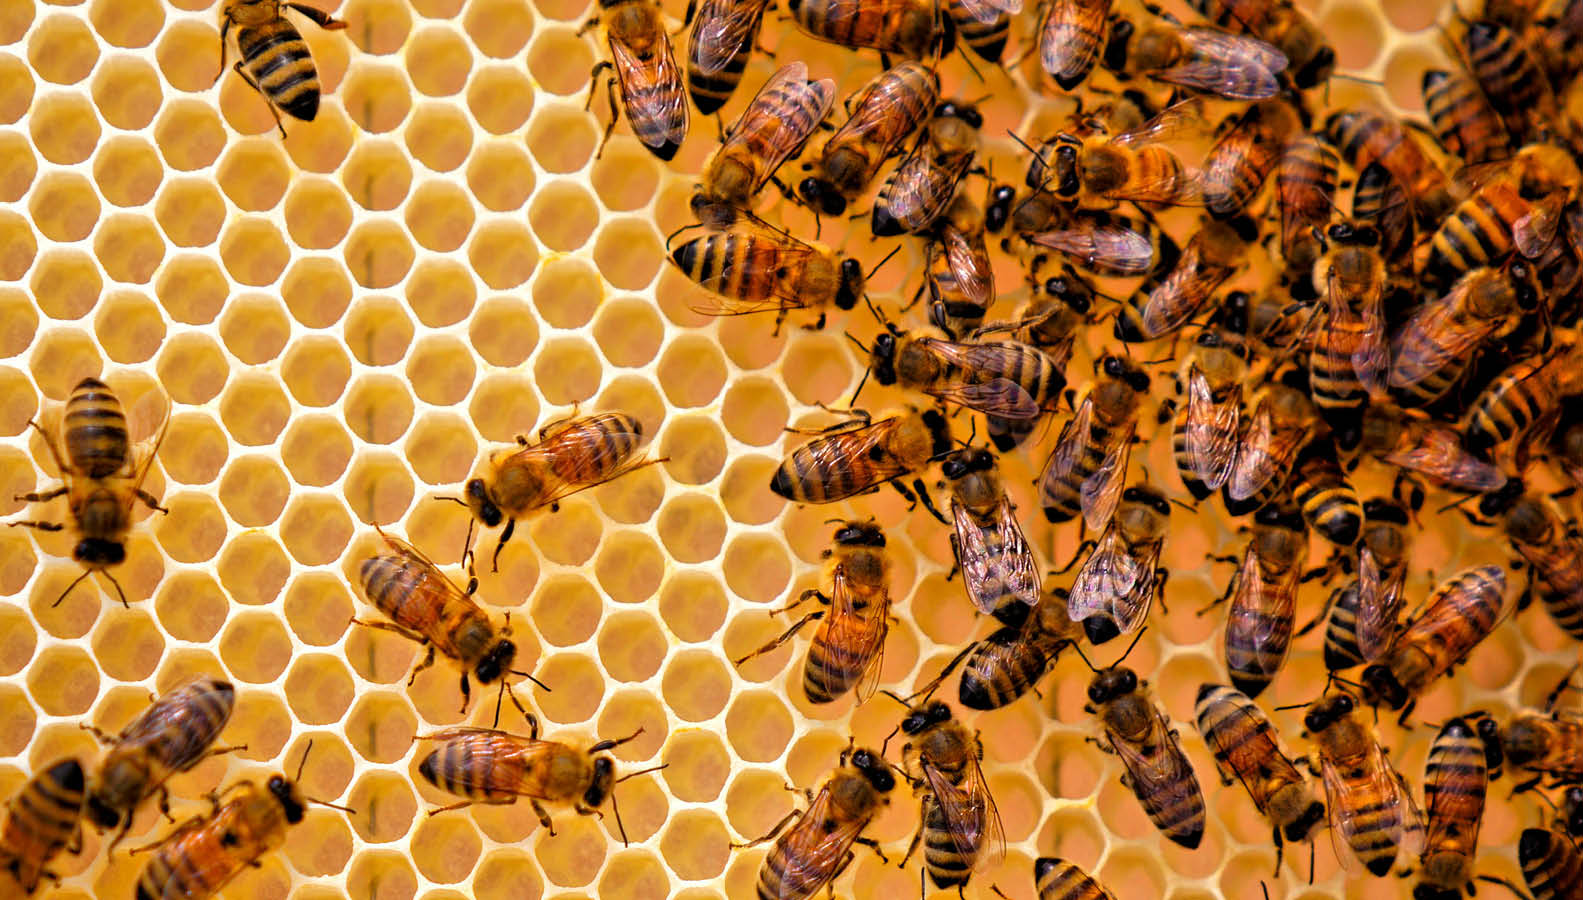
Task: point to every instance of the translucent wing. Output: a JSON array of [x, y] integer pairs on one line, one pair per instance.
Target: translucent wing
[[1068, 447], [1181, 294], [813, 855], [1106, 248], [1379, 606], [1212, 429], [1263, 456], [997, 397], [654, 89], [970, 265], [1101, 490], [835, 452], [1371, 358], [1368, 805], [1231, 65], [995, 560], [972, 819], [1183, 118], [1534, 232], [1064, 51], [720, 30], [1260, 616], [762, 249], [987, 11], [1161, 774], [1438, 452], [858, 635], [1433, 337], [1114, 583], [766, 124]]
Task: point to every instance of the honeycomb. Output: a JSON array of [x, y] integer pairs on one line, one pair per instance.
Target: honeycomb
[[344, 321]]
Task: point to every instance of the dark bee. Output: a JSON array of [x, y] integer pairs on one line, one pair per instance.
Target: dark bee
[[1281, 419], [1523, 400], [1233, 66], [1008, 663], [1372, 816], [275, 59], [1553, 550], [998, 568], [1350, 351], [42, 819], [1365, 135], [1209, 426], [1088, 466], [1500, 61], [1001, 378], [884, 113], [1428, 449], [910, 28], [1330, 504], [1158, 773], [958, 271], [1163, 305], [1455, 781], [1363, 614], [1551, 862], [1058, 879], [918, 192], [719, 47], [1263, 596], [646, 72], [1117, 583], [982, 25], [1305, 188], [958, 823], [1432, 351], [1462, 611]]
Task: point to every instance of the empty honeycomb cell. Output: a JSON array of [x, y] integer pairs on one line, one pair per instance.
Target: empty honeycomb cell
[[560, 60], [62, 357], [189, 134], [693, 606], [63, 681], [573, 855], [439, 136], [65, 283], [192, 368], [315, 529], [317, 607], [694, 447], [315, 369], [195, 448], [378, 254], [61, 49], [755, 411], [636, 396], [191, 606], [321, 845], [502, 254], [127, 23], [255, 647], [563, 139], [378, 488], [16, 477], [317, 291], [1133, 871], [64, 207], [498, 28], [440, 448], [445, 848], [318, 688], [628, 330], [194, 530], [377, 175], [17, 166], [570, 536], [817, 369], [567, 371], [192, 289], [253, 568], [697, 765], [629, 567], [637, 875], [63, 606], [385, 807], [381, 727], [191, 211], [317, 213], [631, 646], [507, 874], [503, 331], [691, 372], [576, 688], [18, 323], [624, 178], [127, 645], [17, 720], [499, 175], [381, 875], [254, 174], [441, 292], [1404, 70], [18, 639], [628, 253], [1355, 33], [692, 528], [759, 726], [377, 331], [500, 98], [321, 145], [378, 409], [629, 711], [255, 328], [756, 800], [503, 406], [439, 215], [254, 251], [16, 88], [19, 244], [129, 247], [567, 292], [376, 97], [379, 27], [438, 61], [566, 610]]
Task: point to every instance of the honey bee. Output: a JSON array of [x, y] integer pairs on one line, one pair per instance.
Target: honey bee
[[1245, 155], [1551, 29], [1247, 749], [1463, 119], [102, 480], [1002, 378], [483, 765], [1505, 70], [858, 455], [1455, 781], [274, 58], [1366, 134], [1305, 187], [818, 848], [1057, 879], [1263, 597], [1102, 171], [1070, 35], [910, 28], [1211, 257], [754, 269], [1363, 614], [958, 272], [1523, 400], [1428, 449], [1232, 66], [1462, 611], [1267, 452], [958, 823], [1310, 58], [1208, 427], [918, 192], [719, 47], [1102, 244], [1087, 468], [1551, 863], [1117, 583], [201, 855], [997, 564], [1547, 744], [1008, 663], [170, 737], [1158, 773], [1349, 354], [1433, 349], [850, 642], [1378, 200], [982, 25], [1054, 313], [1329, 503], [1372, 815], [1553, 550], [884, 113], [426, 607], [997, 207], [1486, 228], [646, 73], [41, 820], [772, 129], [572, 455]]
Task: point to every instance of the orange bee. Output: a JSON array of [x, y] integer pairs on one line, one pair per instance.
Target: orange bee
[[647, 74]]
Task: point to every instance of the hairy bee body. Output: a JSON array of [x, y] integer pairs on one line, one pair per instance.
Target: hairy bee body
[[845, 649], [1159, 774], [1386, 538], [1365, 135], [1232, 66], [1243, 158], [41, 820], [998, 566], [887, 110], [773, 128], [1163, 305], [1455, 782], [860, 455], [1368, 804], [1478, 233], [1554, 552], [1463, 119], [1329, 503], [910, 28], [918, 193], [958, 271], [958, 824], [1348, 358], [1432, 351], [652, 89], [1552, 864], [986, 38], [753, 270], [1093, 445], [1070, 35], [1281, 419], [809, 855], [1208, 426], [275, 59], [1264, 598], [1305, 188], [1246, 749], [1009, 662], [1550, 745], [1511, 77], [1057, 879], [1460, 614], [714, 67], [201, 856], [1525, 396], [482, 765]]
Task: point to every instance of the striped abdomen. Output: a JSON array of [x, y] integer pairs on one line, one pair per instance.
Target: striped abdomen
[[1002, 668], [1477, 233], [1559, 570], [1341, 630], [42, 819], [838, 659], [1511, 403], [418, 598], [592, 449], [733, 264], [198, 863], [1239, 163], [987, 39], [481, 766], [890, 26], [1507, 73], [1177, 809], [947, 865], [712, 90], [1551, 863], [178, 729], [1233, 727], [1258, 632], [1057, 879], [915, 195], [1455, 781], [1458, 616], [1332, 379], [1376, 815], [1463, 119], [1366, 135], [1329, 503], [95, 430], [277, 59], [836, 466], [1062, 498]]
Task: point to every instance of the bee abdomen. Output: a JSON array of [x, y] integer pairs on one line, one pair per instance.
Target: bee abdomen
[[1181, 819], [95, 430], [710, 91], [1565, 609], [948, 866], [1341, 632], [1551, 864], [456, 768], [830, 672], [1332, 510], [277, 59]]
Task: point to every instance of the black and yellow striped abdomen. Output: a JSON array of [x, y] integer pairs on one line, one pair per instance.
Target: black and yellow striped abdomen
[[1062, 498], [276, 58], [712, 90], [1329, 503], [1477, 233], [1341, 630], [1002, 668], [95, 430], [1551, 864], [946, 864], [40, 820], [1462, 119], [987, 39]]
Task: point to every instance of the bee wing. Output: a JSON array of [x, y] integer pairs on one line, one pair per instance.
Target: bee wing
[[1261, 612], [1392, 211], [860, 635], [1106, 584], [1177, 120], [766, 118], [1101, 490], [970, 266], [971, 817], [720, 29], [1231, 65], [1436, 336], [813, 855], [1262, 456], [997, 397], [1160, 771], [1068, 446], [995, 559], [987, 11], [775, 250], [1379, 606], [1533, 232], [564, 456], [1212, 429], [1374, 788], [1371, 359], [1109, 248], [1061, 55], [654, 81], [1170, 182], [1438, 452]]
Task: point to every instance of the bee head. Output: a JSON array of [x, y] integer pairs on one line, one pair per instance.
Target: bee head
[[923, 717], [496, 662], [101, 813], [1347, 234], [821, 195], [1299, 829], [1119, 368], [939, 432], [1380, 509], [1489, 732], [1067, 291], [1524, 741], [286, 794], [1316, 69], [874, 769], [1112, 683], [1534, 845], [1067, 181], [882, 359], [1327, 711], [999, 209], [860, 534], [1149, 497], [964, 462], [604, 780], [483, 508], [1497, 502], [852, 281], [1380, 686], [951, 109], [99, 552]]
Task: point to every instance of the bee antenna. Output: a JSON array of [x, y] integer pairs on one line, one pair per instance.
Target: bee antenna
[[643, 772], [861, 382], [892, 695], [457, 500], [672, 236], [1024, 145], [1265, 888], [611, 744], [1180, 505], [529, 677], [77, 581], [998, 892], [878, 265], [302, 763], [1358, 78], [885, 745], [853, 338], [1134, 643], [1084, 657], [467, 543], [1291, 706], [873, 310]]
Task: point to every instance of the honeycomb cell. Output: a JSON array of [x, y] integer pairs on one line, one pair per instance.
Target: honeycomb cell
[[191, 606], [378, 409], [444, 848], [379, 27], [1355, 32], [506, 874], [438, 61], [500, 176], [17, 720], [439, 215], [439, 136], [17, 166], [560, 60], [691, 372], [636, 875], [63, 681], [755, 568], [573, 855], [192, 289], [317, 607], [321, 846], [696, 685], [441, 292], [318, 215], [18, 323], [62, 357], [498, 28], [192, 368], [567, 371], [693, 606], [254, 328], [254, 251], [61, 49], [20, 246], [255, 647], [570, 536], [253, 568], [194, 450], [381, 727], [563, 139], [631, 646], [315, 370], [692, 528], [502, 254], [253, 173], [376, 97], [625, 178], [629, 331], [16, 88], [566, 610], [759, 726], [186, 56], [503, 406], [127, 645], [376, 176], [500, 98], [378, 488], [628, 253], [567, 292], [440, 449], [696, 765], [194, 529], [63, 207], [503, 331], [318, 689], [577, 688], [629, 566], [386, 807], [378, 254], [315, 529], [127, 24], [191, 211], [129, 247], [65, 283], [189, 134]]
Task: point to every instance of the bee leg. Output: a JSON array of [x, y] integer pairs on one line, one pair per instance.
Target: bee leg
[[41, 526], [1280, 848], [439, 809], [610, 93], [773, 833], [586, 27], [505, 535], [928, 501], [917, 835], [873, 845], [44, 497], [818, 614], [467, 689], [427, 662], [164, 804], [593, 75], [1560, 688], [150, 501], [392, 626], [106, 739], [1159, 592], [320, 17], [544, 817], [270, 104]]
